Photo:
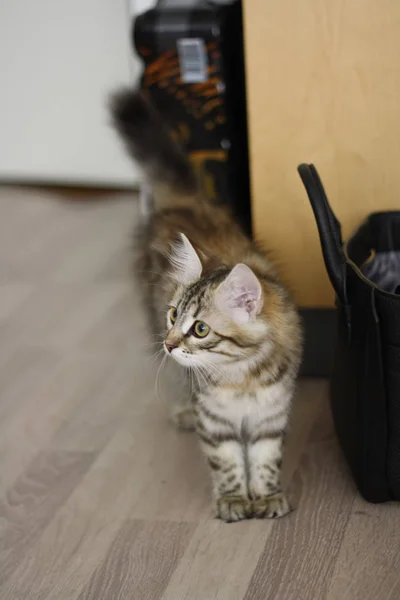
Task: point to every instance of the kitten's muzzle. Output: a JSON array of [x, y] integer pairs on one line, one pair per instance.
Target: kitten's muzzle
[[170, 347]]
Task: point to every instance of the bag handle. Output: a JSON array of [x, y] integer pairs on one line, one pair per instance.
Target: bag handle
[[329, 229]]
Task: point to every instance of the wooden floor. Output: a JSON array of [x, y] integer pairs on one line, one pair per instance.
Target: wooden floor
[[100, 497]]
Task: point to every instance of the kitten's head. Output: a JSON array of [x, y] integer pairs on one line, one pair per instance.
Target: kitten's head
[[213, 319]]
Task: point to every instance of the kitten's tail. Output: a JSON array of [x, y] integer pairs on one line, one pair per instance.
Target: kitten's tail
[[148, 141]]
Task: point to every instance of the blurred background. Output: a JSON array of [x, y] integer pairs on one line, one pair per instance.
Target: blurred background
[[58, 63]]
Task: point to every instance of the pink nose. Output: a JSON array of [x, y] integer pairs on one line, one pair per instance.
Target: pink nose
[[169, 347]]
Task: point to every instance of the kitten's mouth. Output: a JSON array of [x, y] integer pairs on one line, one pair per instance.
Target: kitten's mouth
[[183, 358]]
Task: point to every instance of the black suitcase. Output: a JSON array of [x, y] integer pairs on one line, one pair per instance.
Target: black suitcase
[[365, 383]]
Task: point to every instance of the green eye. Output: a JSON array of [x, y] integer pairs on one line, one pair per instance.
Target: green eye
[[173, 315], [200, 329]]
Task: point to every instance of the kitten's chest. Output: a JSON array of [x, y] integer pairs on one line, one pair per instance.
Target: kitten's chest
[[244, 409]]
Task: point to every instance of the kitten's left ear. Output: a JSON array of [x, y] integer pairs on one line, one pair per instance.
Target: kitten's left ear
[[240, 295], [185, 260]]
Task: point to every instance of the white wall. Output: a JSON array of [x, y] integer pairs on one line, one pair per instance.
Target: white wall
[[58, 62]]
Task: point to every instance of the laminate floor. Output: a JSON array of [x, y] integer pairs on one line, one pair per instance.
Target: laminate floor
[[99, 497]]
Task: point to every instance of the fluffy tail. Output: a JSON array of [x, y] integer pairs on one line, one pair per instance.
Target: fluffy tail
[[148, 141]]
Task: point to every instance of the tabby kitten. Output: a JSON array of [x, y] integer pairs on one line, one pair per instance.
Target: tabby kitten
[[223, 314]]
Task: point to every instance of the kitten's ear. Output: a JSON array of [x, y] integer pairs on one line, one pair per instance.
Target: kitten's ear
[[240, 295], [186, 263]]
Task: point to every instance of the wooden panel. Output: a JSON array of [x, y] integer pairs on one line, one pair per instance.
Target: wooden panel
[[323, 87], [48, 405], [140, 561], [33, 501], [85, 526], [296, 546], [359, 573], [99, 496]]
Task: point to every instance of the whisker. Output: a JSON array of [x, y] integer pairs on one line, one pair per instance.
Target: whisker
[[151, 344], [191, 380], [204, 375], [197, 374], [214, 370], [157, 378], [155, 357], [208, 375]]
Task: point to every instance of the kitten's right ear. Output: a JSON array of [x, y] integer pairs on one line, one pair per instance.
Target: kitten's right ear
[[185, 261], [240, 295]]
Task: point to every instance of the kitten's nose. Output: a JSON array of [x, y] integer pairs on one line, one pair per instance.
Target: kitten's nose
[[169, 347]]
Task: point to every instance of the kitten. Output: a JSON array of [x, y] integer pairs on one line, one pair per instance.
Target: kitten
[[226, 316]]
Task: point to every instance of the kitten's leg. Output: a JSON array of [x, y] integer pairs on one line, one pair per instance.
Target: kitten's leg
[[265, 458], [226, 459], [228, 475]]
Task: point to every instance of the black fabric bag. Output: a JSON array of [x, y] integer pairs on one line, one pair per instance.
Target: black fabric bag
[[365, 383]]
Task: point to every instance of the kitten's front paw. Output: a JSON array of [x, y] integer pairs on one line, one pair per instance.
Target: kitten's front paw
[[233, 508], [184, 419], [271, 507]]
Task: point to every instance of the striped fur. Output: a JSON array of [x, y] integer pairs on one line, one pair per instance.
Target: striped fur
[[246, 365]]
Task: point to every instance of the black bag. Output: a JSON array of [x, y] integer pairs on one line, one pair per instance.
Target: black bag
[[365, 383]]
